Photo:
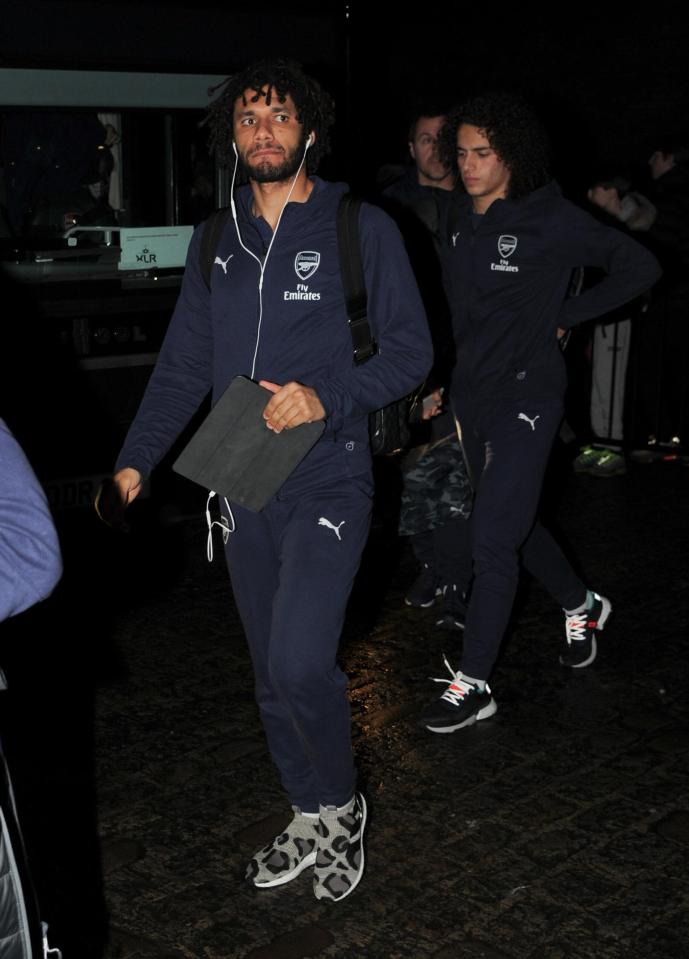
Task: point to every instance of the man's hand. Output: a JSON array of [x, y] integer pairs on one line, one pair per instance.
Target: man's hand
[[432, 405], [128, 482], [292, 405], [115, 494]]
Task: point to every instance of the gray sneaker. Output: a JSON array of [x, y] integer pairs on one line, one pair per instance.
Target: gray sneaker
[[289, 854], [340, 859]]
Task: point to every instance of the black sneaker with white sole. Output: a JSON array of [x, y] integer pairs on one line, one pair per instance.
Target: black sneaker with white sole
[[462, 704], [580, 632], [452, 611], [425, 589]]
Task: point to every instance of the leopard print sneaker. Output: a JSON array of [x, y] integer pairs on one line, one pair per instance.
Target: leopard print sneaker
[[340, 858], [288, 854]]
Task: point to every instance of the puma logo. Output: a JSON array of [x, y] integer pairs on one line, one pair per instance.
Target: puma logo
[[531, 422], [223, 263], [336, 529]]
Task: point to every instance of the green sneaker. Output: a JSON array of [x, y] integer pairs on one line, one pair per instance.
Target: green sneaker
[[586, 458], [609, 463]]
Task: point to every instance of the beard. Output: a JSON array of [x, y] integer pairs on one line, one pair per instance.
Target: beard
[[437, 172], [267, 172]]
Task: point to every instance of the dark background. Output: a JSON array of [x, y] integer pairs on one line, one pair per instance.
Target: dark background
[[609, 79]]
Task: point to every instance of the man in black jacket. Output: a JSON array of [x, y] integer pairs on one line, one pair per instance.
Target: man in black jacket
[[436, 494], [509, 246]]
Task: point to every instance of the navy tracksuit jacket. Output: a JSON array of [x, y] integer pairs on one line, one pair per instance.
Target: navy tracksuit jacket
[[292, 565], [506, 275]]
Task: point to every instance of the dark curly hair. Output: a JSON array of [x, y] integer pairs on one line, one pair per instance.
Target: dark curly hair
[[315, 107], [513, 131]]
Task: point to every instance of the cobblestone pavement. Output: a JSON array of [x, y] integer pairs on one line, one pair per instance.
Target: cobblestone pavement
[[557, 830]]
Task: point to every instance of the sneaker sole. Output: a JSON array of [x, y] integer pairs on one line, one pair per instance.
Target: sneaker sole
[[602, 620], [604, 613], [618, 471], [419, 605], [448, 623], [287, 877], [359, 875], [490, 709]]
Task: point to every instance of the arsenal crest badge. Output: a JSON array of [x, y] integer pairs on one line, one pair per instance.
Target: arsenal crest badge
[[306, 263], [506, 245]]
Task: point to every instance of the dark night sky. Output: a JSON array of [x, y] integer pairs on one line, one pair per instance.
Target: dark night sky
[[606, 82]]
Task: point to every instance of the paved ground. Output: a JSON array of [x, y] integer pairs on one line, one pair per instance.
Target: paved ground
[[557, 830]]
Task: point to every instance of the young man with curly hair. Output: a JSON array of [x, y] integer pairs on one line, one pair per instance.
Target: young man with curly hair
[[510, 242], [275, 313]]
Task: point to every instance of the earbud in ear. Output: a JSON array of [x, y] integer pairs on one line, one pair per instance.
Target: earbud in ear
[[234, 147]]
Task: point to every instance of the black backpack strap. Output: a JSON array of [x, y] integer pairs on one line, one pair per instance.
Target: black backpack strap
[[353, 280], [212, 232]]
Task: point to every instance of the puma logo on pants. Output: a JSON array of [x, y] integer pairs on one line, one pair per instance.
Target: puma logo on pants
[[531, 422]]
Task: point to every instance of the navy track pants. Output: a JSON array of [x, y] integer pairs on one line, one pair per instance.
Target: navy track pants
[[292, 568], [507, 459]]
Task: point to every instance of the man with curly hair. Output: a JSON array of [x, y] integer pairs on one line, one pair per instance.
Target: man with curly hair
[[510, 242], [275, 312]]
